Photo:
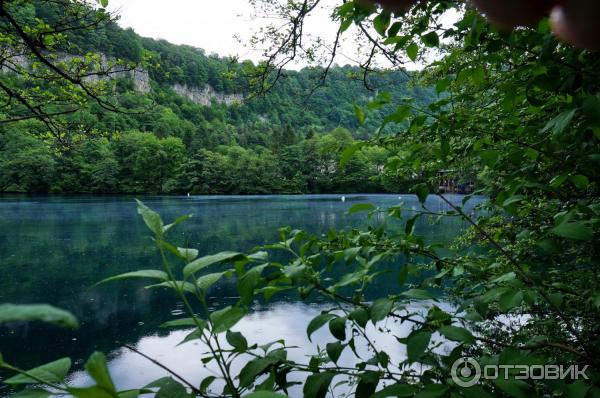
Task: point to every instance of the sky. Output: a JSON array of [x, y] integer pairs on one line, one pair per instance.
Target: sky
[[214, 24], [207, 24]]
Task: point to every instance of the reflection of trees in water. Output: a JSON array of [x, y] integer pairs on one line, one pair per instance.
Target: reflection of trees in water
[[54, 249]]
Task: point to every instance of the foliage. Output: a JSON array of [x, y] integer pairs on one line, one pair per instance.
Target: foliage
[[88, 149], [517, 108]]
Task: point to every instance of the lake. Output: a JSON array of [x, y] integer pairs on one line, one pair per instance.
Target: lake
[[54, 249]]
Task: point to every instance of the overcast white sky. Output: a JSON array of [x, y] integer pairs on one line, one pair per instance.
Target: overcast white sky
[[213, 25], [207, 24]]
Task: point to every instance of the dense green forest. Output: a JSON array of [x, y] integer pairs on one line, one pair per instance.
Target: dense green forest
[[288, 140], [510, 308]]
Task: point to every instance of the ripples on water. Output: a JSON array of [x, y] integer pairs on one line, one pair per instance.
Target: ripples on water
[[54, 249]]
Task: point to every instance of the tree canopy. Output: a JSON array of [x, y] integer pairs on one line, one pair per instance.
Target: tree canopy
[[516, 108]]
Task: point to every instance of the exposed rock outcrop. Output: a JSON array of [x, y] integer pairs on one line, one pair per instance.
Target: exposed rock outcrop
[[141, 80], [205, 96]]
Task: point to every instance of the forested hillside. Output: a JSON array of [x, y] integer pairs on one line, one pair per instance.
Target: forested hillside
[[288, 140]]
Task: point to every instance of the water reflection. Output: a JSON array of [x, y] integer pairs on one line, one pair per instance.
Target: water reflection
[[53, 250], [285, 321]]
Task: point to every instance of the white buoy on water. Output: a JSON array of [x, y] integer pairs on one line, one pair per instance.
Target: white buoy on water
[[188, 194], [343, 198]]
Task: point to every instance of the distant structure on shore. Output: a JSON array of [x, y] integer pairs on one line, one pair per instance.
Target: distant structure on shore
[[451, 181]]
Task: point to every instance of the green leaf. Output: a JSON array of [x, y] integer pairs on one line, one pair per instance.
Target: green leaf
[[560, 122], [402, 113], [595, 300], [556, 299], [317, 384], [103, 3], [236, 340], [361, 207], [169, 388], [576, 230], [410, 224], [260, 256], [510, 300], [360, 316], [558, 180], [431, 39], [382, 98], [37, 312], [254, 368], [381, 22], [367, 385], [396, 390], [98, 370], [577, 389], [226, 318], [478, 75], [206, 261], [509, 276], [463, 75], [416, 344], [337, 327], [380, 309], [177, 323], [51, 373], [360, 114], [175, 285], [195, 334], [418, 294], [580, 181], [334, 350], [442, 85], [514, 388], [151, 218], [134, 393], [475, 392], [403, 275], [349, 152], [248, 283], [206, 382], [513, 199], [318, 322], [393, 32], [412, 51], [206, 281], [490, 157], [91, 392], [432, 391], [457, 334], [351, 278], [146, 273], [187, 254], [178, 221], [422, 191], [265, 394]]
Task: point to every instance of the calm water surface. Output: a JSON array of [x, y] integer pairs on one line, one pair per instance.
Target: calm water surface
[[53, 250]]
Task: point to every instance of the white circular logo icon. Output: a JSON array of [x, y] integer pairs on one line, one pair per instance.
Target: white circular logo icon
[[465, 372]]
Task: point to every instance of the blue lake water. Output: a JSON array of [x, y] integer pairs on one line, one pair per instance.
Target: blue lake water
[[54, 249]]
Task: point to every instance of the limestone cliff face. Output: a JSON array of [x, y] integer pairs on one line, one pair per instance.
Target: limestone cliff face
[[205, 96], [141, 80]]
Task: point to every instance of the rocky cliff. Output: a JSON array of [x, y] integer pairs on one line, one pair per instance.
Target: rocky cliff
[[141, 80], [205, 96]]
